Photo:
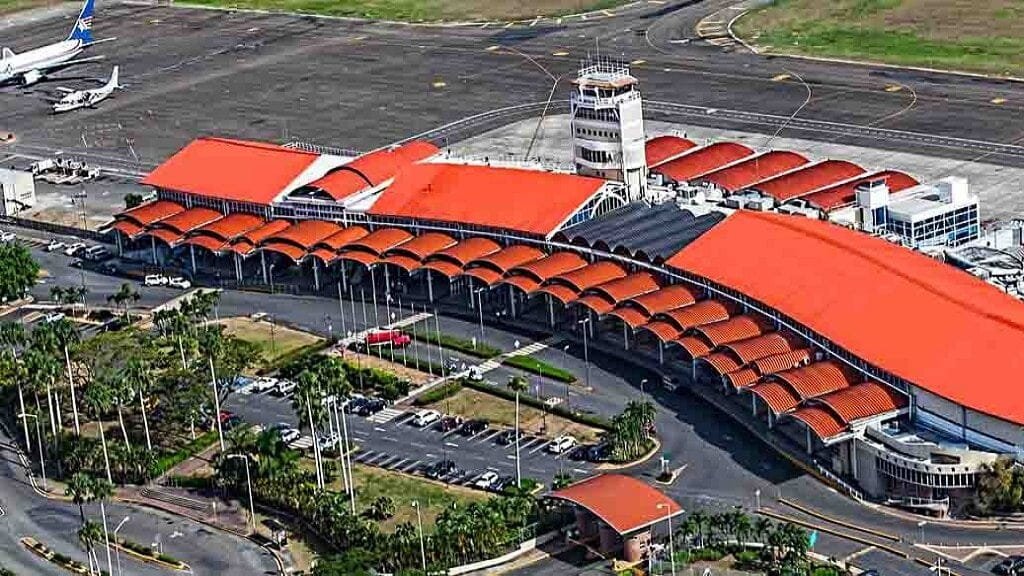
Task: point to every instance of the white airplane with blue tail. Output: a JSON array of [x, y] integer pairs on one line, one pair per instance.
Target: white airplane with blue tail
[[33, 65]]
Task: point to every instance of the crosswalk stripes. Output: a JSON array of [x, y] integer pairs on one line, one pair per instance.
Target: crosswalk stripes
[[305, 442], [386, 415], [528, 349], [488, 365]]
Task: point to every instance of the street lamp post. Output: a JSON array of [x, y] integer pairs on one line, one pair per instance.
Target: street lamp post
[[757, 499], [920, 527], [586, 354], [117, 548], [423, 548], [271, 270], [643, 394], [248, 482], [671, 538]]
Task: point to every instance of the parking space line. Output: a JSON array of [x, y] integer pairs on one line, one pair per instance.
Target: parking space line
[[387, 462], [412, 466], [451, 444], [487, 437], [379, 458], [363, 456], [524, 443], [539, 447], [399, 464]]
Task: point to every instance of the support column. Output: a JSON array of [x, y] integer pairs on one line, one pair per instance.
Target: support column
[[263, 265], [625, 337], [192, 256], [771, 424], [512, 300], [238, 266], [852, 445], [430, 286], [753, 404], [551, 310], [120, 246], [316, 275], [661, 351], [810, 449], [344, 277], [152, 242]]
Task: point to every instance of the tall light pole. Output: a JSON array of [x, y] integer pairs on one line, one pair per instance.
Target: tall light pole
[[423, 548], [271, 269], [671, 539], [216, 402], [643, 394], [39, 440], [480, 301], [117, 548], [248, 482], [586, 354]]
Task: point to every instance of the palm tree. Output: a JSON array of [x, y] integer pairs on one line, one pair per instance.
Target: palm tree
[[741, 526], [125, 294], [308, 402], [80, 489], [761, 528], [97, 398], [517, 384], [12, 336], [137, 373], [89, 535], [700, 520]]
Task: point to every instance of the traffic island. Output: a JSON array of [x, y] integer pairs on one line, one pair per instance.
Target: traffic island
[[150, 555], [40, 549]]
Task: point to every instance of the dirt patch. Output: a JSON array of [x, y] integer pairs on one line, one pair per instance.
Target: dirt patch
[[275, 341], [414, 376], [470, 403]]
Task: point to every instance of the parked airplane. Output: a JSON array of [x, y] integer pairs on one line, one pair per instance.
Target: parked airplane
[[75, 99], [32, 66]]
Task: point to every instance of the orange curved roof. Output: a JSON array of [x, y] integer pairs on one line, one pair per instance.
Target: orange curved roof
[[661, 148], [665, 330], [189, 220], [604, 297], [151, 212], [485, 275], [812, 177], [403, 261], [722, 362], [305, 233], [598, 304], [528, 201], [637, 310], [373, 169], [523, 282], [746, 351], [693, 346], [844, 284], [263, 232], [703, 312], [589, 276], [422, 246], [505, 260], [466, 251], [703, 160], [128, 227], [364, 258], [733, 329], [231, 226], [820, 420], [845, 194], [211, 243], [166, 235], [818, 378], [863, 401], [443, 267], [782, 361], [342, 238], [563, 293], [235, 170], [778, 396], [604, 496], [326, 255], [549, 266], [380, 241], [760, 167], [742, 378], [290, 250]]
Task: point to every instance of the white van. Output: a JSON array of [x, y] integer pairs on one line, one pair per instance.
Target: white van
[[425, 418]]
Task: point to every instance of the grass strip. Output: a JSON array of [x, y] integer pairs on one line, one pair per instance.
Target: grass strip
[[540, 368], [481, 350], [446, 390], [503, 392], [167, 461]]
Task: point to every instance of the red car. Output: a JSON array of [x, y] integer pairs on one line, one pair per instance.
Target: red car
[[394, 338]]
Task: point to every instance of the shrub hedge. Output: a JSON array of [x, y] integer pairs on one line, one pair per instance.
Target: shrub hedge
[[540, 368], [438, 393], [481, 350]]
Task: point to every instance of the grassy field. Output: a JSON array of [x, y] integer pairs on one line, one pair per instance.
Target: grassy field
[[14, 5], [434, 498], [471, 403], [421, 10], [275, 342], [969, 35]]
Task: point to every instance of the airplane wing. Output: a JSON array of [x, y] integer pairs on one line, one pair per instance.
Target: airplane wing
[[64, 90], [67, 63]]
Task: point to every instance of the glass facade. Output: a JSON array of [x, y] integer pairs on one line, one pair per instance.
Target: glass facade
[[951, 228]]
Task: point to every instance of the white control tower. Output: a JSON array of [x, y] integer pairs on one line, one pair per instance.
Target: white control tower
[[608, 125]]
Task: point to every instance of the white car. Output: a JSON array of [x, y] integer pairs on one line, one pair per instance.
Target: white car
[[179, 282], [287, 432], [285, 387], [53, 317], [425, 418], [329, 442], [55, 245], [486, 480], [7, 236], [73, 248], [155, 280], [561, 444], [265, 383]]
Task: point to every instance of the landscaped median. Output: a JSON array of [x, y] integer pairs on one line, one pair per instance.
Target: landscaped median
[[40, 549], [150, 555], [540, 368], [479, 349]]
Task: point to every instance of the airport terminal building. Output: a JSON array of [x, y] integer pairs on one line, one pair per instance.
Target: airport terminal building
[[891, 372]]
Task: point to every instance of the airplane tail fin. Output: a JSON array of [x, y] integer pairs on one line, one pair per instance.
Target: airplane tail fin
[[83, 26], [6, 53], [112, 83]]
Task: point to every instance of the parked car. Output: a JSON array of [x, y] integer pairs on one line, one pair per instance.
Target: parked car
[[225, 415], [243, 385], [449, 423], [53, 317], [179, 282], [329, 442], [155, 280], [354, 403], [1010, 566], [55, 245], [561, 444], [441, 469], [372, 406], [474, 427], [7, 236], [486, 481], [425, 418], [95, 253], [287, 432], [264, 383], [284, 387], [508, 437], [73, 248]]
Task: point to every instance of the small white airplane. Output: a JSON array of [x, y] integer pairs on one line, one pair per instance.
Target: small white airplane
[[75, 99], [32, 66]]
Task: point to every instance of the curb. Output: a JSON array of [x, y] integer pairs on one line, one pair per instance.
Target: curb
[[842, 523], [650, 454], [183, 567], [836, 533]]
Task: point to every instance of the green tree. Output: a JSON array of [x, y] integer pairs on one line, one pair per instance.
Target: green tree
[[18, 271], [98, 397], [91, 534], [1000, 488], [382, 508], [124, 296], [132, 200]]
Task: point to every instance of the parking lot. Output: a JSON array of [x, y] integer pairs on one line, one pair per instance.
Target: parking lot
[[390, 440]]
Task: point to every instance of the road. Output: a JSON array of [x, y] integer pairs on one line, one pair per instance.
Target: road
[[56, 523]]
